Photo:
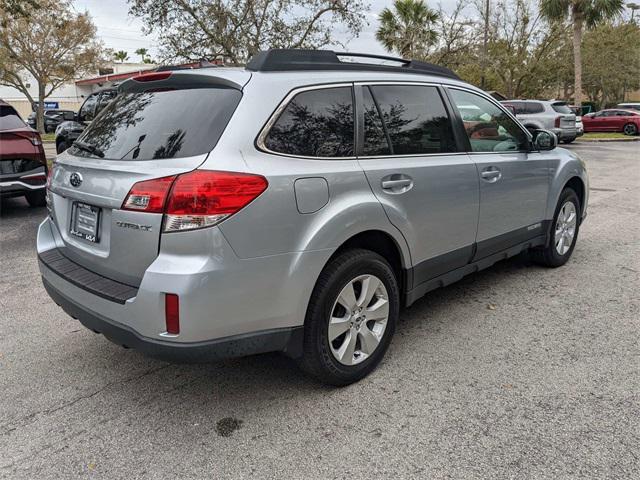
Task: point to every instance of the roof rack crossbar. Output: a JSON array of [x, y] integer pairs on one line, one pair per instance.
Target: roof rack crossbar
[[282, 60]]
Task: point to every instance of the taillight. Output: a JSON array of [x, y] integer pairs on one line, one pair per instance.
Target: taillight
[[172, 313], [203, 198], [152, 77], [148, 196], [557, 124], [198, 199]]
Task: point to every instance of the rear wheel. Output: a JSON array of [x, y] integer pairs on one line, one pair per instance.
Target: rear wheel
[[568, 140], [37, 198], [61, 146], [630, 129], [564, 232], [351, 318]]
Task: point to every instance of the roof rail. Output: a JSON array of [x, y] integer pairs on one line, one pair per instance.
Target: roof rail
[[282, 60]]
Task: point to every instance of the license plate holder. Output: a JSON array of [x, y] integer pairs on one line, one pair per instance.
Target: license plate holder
[[85, 222]]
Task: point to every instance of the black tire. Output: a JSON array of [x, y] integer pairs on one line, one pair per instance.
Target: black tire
[[318, 359], [37, 198], [568, 140], [630, 129], [61, 146], [549, 255]]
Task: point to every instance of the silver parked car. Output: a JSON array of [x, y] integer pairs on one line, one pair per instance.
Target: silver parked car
[[555, 116], [296, 205]]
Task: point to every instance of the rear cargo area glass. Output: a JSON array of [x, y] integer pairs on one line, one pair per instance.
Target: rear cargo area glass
[[165, 123]]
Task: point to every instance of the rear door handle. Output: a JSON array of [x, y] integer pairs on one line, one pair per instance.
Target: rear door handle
[[491, 174], [396, 183]]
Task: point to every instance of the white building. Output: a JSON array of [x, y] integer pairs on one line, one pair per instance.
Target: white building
[[71, 95]]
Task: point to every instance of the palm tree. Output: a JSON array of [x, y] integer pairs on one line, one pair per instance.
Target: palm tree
[[408, 29], [121, 56], [581, 13], [143, 54]]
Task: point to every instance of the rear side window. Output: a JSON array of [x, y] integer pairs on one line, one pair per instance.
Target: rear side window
[[561, 108], [9, 118], [534, 107], [315, 123], [415, 119], [160, 124]]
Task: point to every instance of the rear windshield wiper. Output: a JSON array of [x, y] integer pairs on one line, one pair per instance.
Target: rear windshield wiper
[[87, 147]]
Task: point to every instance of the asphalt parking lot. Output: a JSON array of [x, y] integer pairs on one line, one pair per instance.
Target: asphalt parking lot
[[515, 372]]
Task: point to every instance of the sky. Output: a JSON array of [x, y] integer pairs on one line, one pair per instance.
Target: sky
[[119, 31]]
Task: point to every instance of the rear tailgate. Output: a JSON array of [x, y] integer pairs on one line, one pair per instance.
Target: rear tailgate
[[157, 128]]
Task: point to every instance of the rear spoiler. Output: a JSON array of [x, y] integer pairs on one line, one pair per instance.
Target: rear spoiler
[[178, 80]]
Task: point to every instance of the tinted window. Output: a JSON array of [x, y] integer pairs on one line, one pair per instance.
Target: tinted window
[[375, 139], [561, 107], [518, 107], [9, 118], [534, 107], [489, 128], [415, 118], [88, 108], [315, 123], [104, 100], [161, 124]]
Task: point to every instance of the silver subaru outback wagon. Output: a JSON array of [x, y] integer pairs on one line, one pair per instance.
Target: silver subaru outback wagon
[[295, 205]]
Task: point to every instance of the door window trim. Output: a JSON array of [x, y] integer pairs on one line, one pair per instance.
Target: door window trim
[[359, 85], [264, 131], [490, 99]]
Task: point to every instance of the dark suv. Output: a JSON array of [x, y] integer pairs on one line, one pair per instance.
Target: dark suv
[[52, 118], [22, 159], [68, 132]]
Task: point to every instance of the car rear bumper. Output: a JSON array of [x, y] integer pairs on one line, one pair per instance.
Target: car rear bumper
[[15, 184], [565, 133], [256, 304]]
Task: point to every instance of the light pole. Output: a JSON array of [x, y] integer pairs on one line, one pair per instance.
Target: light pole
[[633, 7], [485, 41]]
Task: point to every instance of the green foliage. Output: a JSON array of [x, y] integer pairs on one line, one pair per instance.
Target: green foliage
[[409, 29], [121, 56]]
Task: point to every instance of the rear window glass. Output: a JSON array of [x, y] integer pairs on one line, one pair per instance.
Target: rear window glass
[[9, 118], [315, 123], [561, 108], [160, 124], [415, 119]]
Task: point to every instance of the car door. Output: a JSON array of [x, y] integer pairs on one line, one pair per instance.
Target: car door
[[426, 184], [514, 182]]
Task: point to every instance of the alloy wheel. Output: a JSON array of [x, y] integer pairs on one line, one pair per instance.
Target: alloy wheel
[[565, 227], [358, 319]]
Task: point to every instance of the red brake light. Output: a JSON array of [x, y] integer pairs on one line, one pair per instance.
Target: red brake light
[[152, 77], [557, 123], [148, 196], [197, 199], [204, 197], [172, 313]]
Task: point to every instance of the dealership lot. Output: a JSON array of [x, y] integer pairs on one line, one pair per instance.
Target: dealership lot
[[515, 372]]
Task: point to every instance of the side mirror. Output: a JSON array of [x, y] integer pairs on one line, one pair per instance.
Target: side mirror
[[544, 140]]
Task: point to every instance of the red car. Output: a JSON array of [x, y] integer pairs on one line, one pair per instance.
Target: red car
[[22, 159], [612, 120]]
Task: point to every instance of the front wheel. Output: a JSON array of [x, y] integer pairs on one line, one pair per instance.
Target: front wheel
[[564, 232], [630, 129], [351, 318]]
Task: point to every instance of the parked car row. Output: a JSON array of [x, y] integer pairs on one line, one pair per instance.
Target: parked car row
[[613, 120], [550, 115], [52, 118], [22, 159]]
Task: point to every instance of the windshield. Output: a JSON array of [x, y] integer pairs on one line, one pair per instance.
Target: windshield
[[159, 124]]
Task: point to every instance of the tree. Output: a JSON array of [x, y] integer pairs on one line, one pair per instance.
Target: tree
[[611, 68], [121, 56], [409, 29], [52, 43], [581, 13], [143, 54], [237, 29]]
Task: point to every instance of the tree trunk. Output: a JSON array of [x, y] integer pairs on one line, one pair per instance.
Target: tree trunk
[[577, 56], [40, 109]]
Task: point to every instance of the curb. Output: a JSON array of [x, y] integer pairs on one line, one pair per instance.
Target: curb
[[606, 140]]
